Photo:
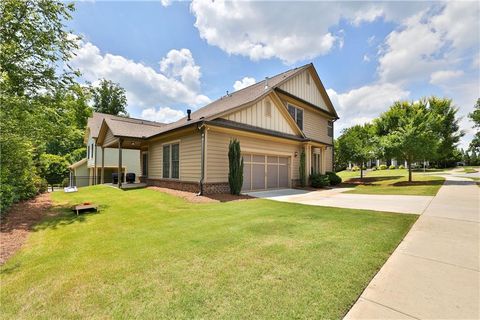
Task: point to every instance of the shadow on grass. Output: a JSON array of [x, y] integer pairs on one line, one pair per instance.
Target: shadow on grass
[[367, 181], [418, 183], [10, 269], [65, 216]]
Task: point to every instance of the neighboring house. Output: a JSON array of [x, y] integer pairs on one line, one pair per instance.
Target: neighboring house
[[88, 170], [275, 121]]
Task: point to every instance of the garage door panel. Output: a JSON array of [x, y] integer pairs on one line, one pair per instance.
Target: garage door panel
[[262, 172], [272, 176], [258, 176], [247, 174], [283, 176]]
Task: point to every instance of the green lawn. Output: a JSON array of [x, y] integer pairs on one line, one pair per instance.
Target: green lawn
[[151, 255], [391, 182], [470, 169]]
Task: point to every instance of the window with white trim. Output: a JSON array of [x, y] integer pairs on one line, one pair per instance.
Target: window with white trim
[[171, 161], [330, 128], [297, 115], [308, 78]]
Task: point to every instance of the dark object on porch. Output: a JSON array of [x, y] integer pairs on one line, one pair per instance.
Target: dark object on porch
[[115, 177], [84, 207], [130, 177]]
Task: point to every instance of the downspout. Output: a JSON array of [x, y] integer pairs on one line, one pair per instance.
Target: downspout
[[201, 127], [333, 146]]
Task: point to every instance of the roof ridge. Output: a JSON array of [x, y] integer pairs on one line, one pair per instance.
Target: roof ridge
[[144, 122], [116, 117], [270, 77]]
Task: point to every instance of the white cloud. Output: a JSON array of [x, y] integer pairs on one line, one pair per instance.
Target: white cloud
[[166, 3], [443, 77], [289, 31], [177, 81], [164, 115], [428, 41], [366, 58], [363, 104], [367, 15], [245, 82]]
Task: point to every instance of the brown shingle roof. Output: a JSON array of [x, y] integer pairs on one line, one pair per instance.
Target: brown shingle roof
[[234, 100], [128, 127]]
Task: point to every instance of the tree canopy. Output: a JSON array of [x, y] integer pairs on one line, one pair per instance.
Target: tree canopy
[[475, 117], [357, 144], [109, 97], [409, 132], [43, 110]]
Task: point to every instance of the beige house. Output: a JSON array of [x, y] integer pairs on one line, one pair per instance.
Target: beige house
[[87, 171], [274, 120]]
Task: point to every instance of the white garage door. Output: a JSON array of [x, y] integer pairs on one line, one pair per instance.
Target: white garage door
[[262, 172]]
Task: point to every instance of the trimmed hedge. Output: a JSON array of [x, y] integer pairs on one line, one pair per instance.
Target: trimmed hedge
[[392, 167], [319, 180], [383, 167], [334, 178]]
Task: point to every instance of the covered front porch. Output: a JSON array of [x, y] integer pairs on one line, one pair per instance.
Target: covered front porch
[[316, 157], [120, 176]]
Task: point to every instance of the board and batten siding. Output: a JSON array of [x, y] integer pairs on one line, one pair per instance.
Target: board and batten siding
[[217, 153], [315, 126], [256, 116], [299, 87], [190, 157]]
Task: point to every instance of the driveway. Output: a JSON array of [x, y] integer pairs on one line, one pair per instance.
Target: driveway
[[434, 273], [337, 198]]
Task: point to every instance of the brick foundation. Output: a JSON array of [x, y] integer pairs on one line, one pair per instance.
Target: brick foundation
[[212, 188], [174, 184]]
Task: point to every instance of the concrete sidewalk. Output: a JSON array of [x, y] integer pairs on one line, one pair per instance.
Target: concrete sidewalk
[[434, 273]]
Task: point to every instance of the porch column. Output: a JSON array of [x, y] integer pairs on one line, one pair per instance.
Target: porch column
[[308, 161], [119, 162], [102, 174]]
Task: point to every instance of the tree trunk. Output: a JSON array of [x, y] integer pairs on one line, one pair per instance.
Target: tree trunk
[[409, 171], [361, 171]]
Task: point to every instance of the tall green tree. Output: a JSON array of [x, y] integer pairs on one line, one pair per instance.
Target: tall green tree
[[475, 117], [408, 132], [235, 167], [35, 48], [109, 97], [357, 144], [447, 128]]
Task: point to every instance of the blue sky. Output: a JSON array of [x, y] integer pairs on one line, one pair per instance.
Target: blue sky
[[171, 56]]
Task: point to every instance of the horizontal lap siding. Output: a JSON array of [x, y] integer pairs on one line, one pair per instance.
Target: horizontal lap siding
[[315, 126], [109, 137], [328, 160], [217, 153], [190, 156]]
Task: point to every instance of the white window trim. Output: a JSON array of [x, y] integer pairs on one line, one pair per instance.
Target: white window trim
[[295, 119], [169, 143]]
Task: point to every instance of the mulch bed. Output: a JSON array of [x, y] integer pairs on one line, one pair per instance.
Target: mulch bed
[[192, 197], [18, 223]]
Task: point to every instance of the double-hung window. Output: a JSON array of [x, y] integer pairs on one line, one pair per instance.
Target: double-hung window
[[171, 161], [297, 115], [330, 128]]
